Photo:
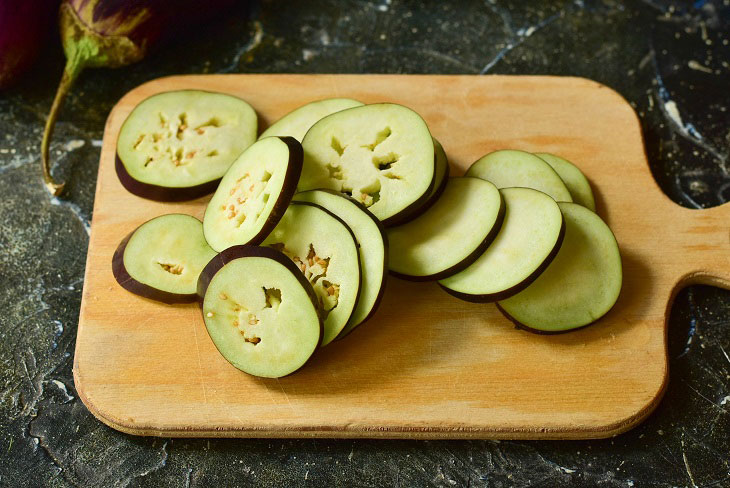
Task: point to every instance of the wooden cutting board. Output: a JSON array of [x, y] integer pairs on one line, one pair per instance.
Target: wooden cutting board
[[427, 365]]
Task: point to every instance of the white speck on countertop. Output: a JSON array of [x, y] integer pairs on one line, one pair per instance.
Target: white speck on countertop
[[75, 209], [673, 112], [63, 389], [74, 144], [692, 64]]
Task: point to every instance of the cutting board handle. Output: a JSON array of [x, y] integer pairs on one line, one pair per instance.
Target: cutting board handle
[[705, 246]]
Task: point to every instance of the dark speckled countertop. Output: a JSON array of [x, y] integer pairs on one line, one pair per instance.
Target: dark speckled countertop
[[669, 59]]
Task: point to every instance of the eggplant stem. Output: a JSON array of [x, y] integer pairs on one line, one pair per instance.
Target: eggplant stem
[[74, 67]]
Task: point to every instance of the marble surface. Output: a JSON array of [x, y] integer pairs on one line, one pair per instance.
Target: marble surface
[[669, 59]]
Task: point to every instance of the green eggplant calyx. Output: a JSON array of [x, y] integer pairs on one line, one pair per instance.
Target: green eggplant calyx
[[92, 49], [83, 48]]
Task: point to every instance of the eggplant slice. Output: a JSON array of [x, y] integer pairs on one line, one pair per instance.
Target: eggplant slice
[[509, 168], [441, 176], [163, 258], [259, 310], [177, 145], [254, 193], [372, 248], [528, 241], [574, 179], [451, 235], [297, 122], [580, 285], [324, 249], [382, 155]]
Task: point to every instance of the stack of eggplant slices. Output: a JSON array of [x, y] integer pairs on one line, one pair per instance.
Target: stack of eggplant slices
[[308, 218]]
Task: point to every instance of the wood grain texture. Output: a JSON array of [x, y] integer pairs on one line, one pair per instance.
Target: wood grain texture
[[427, 365]]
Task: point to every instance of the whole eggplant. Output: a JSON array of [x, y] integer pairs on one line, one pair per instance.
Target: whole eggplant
[[115, 33], [24, 26]]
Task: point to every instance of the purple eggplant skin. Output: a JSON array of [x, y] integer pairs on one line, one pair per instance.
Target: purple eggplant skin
[[296, 158], [505, 294], [431, 198], [467, 261], [140, 22], [521, 326], [24, 26], [246, 251], [141, 289], [162, 193], [384, 278], [288, 189], [407, 213], [115, 33]]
